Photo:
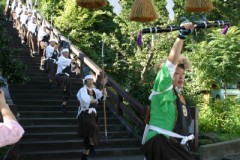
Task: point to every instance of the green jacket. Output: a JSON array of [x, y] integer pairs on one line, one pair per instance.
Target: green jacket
[[163, 110]]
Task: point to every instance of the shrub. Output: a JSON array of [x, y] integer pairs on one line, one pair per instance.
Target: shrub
[[11, 67], [221, 116]]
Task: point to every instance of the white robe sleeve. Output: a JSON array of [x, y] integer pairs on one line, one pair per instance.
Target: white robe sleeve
[[98, 93], [84, 98], [65, 61], [79, 95]]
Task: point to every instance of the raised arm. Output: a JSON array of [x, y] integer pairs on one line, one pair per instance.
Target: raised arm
[[177, 47], [176, 51]]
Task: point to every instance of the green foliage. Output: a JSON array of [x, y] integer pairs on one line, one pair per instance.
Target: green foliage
[[10, 67], [220, 117], [217, 58], [226, 10]]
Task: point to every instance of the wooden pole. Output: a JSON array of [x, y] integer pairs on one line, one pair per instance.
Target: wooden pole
[[104, 104]]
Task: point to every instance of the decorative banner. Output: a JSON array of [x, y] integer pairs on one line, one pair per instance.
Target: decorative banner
[[169, 7], [225, 29], [117, 8]]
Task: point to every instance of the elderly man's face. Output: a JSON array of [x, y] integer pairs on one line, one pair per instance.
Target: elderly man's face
[[179, 77], [89, 83]]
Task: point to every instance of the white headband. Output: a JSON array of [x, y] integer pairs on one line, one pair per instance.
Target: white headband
[[65, 50], [52, 40], [88, 77]]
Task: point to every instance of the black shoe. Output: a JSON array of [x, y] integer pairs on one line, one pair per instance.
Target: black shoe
[[92, 150], [64, 108], [66, 93], [51, 85], [84, 157]]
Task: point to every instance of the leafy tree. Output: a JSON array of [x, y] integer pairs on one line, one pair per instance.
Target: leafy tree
[[217, 58], [11, 67]]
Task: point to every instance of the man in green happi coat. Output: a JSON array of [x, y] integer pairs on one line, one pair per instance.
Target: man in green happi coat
[[167, 132]]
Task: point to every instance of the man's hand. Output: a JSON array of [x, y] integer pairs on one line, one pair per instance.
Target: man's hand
[[189, 27], [94, 101], [104, 81]]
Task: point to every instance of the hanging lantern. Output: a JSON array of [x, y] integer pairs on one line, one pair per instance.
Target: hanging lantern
[[198, 5], [143, 11], [92, 4]]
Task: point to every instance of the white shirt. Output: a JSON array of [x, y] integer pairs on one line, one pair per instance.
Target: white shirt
[[63, 63], [41, 33], [18, 11], [49, 51], [32, 27], [23, 18], [85, 99], [13, 4]]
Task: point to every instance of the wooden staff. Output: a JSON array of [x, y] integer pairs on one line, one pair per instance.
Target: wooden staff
[[103, 85]]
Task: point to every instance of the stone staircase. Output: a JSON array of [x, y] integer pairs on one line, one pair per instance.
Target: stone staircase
[[51, 134]]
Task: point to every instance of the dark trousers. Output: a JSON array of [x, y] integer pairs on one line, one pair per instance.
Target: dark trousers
[[88, 127], [161, 148]]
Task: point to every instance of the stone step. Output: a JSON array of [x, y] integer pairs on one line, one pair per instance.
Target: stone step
[[52, 145], [53, 96], [41, 86], [61, 120], [41, 91], [44, 81], [44, 78], [71, 154], [44, 102], [27, 59], [46, 108], [40, 73], [55, 114], [114, 157], [69, 128], [72, 135]]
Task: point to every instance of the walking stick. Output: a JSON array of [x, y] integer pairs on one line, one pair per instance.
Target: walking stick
[[104, 105]]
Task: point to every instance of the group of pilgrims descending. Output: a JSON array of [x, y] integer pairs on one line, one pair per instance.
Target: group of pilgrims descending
[[54, 52]]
